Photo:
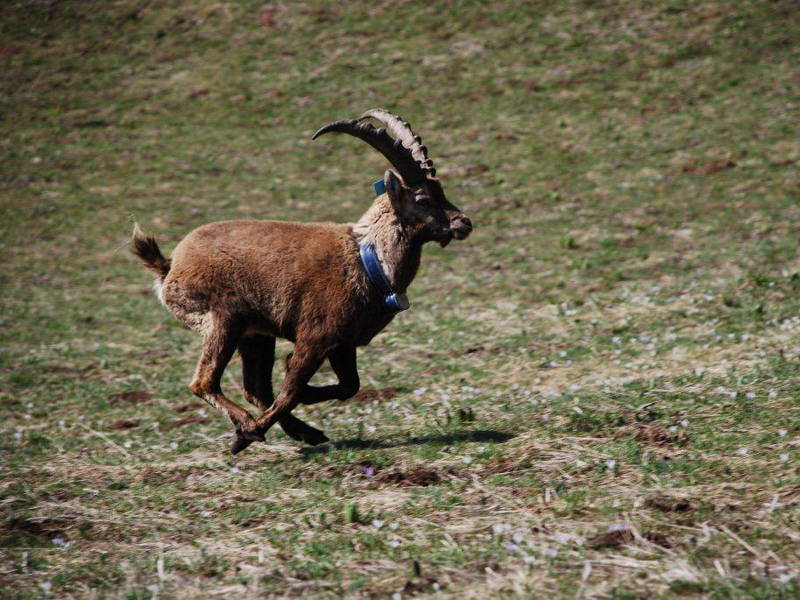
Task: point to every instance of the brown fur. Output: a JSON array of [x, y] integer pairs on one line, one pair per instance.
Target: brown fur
[[241, 284]]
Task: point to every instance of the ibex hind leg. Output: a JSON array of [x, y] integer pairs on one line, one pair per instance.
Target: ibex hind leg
[[220, 336], [258, 359]]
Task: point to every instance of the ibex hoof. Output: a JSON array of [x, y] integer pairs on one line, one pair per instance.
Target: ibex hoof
[[243, 438], [315, 438], [239, 443]]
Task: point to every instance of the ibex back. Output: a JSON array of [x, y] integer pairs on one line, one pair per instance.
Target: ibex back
[[326, 287]]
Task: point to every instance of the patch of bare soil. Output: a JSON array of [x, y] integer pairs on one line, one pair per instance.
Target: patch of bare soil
[[370, 395], [180, 408], [181, 422], [82, 372], [19, 529], [668, 504], [620, 537], [417, 586], [420, 476], [709, 168], [476, 351], [416, 476], [124, 424], [130, 397], [652, 435]]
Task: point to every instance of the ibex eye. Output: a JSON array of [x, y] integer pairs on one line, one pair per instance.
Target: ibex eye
[[423, 200]]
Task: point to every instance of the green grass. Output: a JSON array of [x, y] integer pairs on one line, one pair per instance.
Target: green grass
[[596, 395]]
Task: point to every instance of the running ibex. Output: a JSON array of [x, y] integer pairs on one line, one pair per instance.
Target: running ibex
[[326, 287]]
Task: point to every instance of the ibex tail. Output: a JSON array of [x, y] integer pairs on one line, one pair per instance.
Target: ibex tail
[[146, 248]]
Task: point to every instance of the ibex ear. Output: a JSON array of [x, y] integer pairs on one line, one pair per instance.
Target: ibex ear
[[393, 186]]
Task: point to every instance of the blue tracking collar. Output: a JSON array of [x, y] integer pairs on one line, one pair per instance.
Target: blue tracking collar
[[392, 301]]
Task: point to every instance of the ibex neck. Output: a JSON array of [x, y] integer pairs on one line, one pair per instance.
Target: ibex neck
[[399, 255]]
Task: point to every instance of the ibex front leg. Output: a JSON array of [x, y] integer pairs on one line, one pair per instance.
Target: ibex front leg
[[218, 347], [258, 357], [343, 363], [300, 368]]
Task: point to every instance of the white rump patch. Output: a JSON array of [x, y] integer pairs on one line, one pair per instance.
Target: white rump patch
[[158, 288]]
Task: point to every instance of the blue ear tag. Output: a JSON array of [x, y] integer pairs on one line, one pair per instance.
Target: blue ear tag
[[380, 187]]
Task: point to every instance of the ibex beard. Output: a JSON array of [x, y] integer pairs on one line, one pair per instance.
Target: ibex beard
[[326, 287]]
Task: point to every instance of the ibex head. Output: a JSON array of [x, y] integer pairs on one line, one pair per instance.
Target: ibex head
[[415, 192]]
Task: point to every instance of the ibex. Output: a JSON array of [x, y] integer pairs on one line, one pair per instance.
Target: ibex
[[326, 287]]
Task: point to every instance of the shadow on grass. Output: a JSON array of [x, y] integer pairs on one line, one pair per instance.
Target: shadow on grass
[[481, 435]]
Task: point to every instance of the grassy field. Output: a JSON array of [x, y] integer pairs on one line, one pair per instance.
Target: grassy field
[[594, 396]]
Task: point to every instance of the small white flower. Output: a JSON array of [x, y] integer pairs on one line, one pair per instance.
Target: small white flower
[[481, 449], [393, 526], [377, 523], [773, 394], [673, 428], [234, 469], [394, 543], [610, 464], [173, 445], [784, 457], [528, 560], [685, 422], [499, 528], [518, 538], [466, 460], [742, 451], [782, 432], [545, 418], [205, 513], [750, 395], [46, 585]]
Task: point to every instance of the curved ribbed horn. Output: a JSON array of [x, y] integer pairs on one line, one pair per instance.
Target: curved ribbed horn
[[395, 152], [401, 130]]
